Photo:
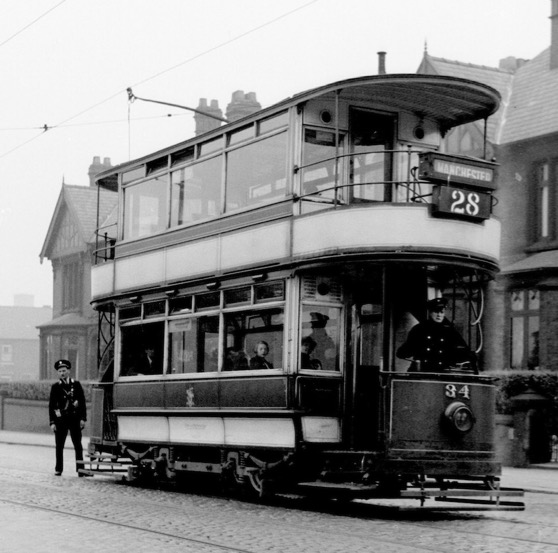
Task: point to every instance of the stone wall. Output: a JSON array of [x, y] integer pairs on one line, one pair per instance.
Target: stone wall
[[24, 415]]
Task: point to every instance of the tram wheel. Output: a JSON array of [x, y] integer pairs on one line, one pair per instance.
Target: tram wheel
[[257, 485]]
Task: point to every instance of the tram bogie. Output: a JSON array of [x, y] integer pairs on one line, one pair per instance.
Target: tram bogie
[[260, 280]]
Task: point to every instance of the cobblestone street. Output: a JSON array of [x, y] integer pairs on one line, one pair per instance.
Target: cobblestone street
[[43, 513]]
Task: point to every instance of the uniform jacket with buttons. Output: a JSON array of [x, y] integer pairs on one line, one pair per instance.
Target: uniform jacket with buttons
[[61, 405], [435, 346]]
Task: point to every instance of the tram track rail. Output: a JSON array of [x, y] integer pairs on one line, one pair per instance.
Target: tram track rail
[[131, 508]]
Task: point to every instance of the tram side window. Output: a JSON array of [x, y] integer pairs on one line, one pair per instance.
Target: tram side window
[[142, 349], [256, 173], [195, 192], [182, 346], [145, 208], [319, 172], [254, 340], [320, 337], [194, 345]]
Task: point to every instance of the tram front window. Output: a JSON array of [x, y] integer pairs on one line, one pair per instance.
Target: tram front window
[[319, 344], [320, 174], [371, 136]]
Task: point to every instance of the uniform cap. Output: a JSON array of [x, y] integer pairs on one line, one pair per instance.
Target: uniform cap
[[436, 304], [62, 363]]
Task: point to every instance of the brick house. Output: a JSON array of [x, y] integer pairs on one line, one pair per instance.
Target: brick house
[[522, 308]]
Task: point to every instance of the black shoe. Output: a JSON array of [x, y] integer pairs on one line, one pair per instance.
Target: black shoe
[[58, 473]]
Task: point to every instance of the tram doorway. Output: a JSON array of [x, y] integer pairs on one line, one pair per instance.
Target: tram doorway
[[363, 373]]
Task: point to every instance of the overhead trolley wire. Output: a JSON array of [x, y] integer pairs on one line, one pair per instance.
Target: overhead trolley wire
[[47, 127], [31, 23]]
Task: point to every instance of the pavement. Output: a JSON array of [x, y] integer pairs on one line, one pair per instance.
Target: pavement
[[542, 478]]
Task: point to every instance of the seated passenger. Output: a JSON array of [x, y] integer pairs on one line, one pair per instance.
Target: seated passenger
[[259, 361], [435, 345], [235, 360], [307, 346], [148, 363]]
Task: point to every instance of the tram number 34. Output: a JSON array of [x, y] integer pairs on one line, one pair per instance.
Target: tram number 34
[[457, 202], [453, 391]]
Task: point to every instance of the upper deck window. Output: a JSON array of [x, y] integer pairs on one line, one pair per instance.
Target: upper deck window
[[241, 135], [196, 192], [257, 172], [371, 135], [320, 173], [134, 174], [157, 165], [145, 207], [273, 123], [211, 146]]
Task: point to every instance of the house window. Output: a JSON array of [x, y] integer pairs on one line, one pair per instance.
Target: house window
[[544, 201], [71, 286], [525, 324], [6, 354]]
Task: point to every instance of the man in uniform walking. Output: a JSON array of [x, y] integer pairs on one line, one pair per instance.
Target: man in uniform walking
[[67, 413]]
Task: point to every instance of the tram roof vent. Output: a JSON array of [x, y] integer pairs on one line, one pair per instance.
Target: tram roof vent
[[321, 288]]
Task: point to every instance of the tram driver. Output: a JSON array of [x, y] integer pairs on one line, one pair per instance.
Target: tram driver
[[435, 345]]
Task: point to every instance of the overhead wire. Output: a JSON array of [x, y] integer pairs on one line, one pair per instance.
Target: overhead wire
[[31, 23], [160, 73]]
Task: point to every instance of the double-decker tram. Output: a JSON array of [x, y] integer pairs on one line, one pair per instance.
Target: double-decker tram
[[257, 282]]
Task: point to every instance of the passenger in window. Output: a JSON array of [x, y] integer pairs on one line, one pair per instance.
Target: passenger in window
[[149, 362], [435, 345], [236, 360], [259, 360], [307, 347], [325, 347]]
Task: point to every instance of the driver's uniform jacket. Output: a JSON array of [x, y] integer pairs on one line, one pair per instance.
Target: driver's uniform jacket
[[434, 347]]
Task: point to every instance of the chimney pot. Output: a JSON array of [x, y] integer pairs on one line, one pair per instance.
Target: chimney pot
[[381, 63]]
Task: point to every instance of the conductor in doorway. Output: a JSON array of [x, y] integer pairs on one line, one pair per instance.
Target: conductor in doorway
[[67, 413]]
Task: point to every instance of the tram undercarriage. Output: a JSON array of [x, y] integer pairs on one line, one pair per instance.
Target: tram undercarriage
[[336, 474]]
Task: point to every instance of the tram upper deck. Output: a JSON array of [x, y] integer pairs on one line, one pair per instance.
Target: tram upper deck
[[339, 172]]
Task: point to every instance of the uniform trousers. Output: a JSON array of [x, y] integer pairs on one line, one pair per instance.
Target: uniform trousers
[[63, 426]]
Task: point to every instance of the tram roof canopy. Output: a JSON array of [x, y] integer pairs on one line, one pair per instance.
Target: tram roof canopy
[[449, 101]]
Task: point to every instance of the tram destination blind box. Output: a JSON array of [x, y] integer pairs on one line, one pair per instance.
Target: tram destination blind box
[[462, 186]]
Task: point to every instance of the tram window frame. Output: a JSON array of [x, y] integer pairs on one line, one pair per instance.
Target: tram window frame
[[309, 189], [205, 177], [136, 223], [236, 341], [141, 333], [377, 150], [273, 123], [206, 348], [322, 359], [252, 176]]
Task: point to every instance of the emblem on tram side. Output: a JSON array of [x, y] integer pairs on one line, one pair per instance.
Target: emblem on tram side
[[190, 397]]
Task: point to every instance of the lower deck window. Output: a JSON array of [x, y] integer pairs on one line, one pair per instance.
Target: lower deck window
[[194, 345], [142, 349], [320, 338], [254, 340]]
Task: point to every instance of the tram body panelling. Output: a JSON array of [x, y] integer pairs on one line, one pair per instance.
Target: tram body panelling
[[359, 415]]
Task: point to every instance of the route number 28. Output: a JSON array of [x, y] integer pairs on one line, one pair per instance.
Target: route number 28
[[453, 392], [465, 203]]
